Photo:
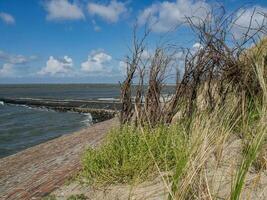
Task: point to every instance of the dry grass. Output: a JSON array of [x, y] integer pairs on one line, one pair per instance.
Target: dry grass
[[212, 151], [203, 157]]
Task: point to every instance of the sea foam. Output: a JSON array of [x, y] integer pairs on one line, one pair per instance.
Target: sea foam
[[89, 119], [108, 99]]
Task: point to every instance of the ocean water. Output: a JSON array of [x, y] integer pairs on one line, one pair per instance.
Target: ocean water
[[61, 91], [22, 127]]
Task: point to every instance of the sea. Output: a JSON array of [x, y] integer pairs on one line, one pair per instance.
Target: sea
[[22, 126]]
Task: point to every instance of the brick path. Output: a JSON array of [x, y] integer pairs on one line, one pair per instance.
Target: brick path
[[37, 171]]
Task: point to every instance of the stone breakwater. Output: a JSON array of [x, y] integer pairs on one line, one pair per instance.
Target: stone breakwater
[[100, 110]]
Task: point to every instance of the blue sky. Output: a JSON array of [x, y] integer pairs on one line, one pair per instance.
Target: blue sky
[[72, 41]]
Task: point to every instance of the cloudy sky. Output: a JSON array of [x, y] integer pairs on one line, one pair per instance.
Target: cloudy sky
[[51, 41]]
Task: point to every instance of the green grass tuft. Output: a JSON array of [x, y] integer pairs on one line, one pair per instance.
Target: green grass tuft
[[77, 197], [50, 197], [129, 155]]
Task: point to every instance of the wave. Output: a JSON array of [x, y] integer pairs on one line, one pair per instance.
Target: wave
[[2, 103], [108, 99], [89, 119], [42, 108]]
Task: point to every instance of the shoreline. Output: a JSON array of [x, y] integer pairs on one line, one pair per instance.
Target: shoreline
[[39, 170]]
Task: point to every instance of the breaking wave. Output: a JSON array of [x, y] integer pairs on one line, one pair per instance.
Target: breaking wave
[[89, 119]]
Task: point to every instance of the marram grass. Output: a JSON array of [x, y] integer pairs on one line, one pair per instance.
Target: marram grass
[[132, 155], [179, 153], [258, 130]]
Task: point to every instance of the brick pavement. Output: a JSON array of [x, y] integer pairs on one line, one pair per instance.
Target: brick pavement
[[35, 172]]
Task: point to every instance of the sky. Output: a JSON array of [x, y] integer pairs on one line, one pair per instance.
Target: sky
[[86, 41]]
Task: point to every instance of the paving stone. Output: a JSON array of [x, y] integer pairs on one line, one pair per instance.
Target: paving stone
[[37, 171]]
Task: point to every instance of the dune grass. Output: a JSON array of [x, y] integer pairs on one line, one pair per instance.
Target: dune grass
[[180, 153], [256, 129], [176, 153], [129, 154]]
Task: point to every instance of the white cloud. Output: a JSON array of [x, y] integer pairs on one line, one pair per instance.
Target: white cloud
[[179, 56], [18, 59], [11, 62], [97, 62], [197, 45], [146, 55], [165, 16], [110, 12], [95, 26], [244, 17], [6, 70], [57, 66], [123, 67], [7, 18], [63, 10], [15, 59]]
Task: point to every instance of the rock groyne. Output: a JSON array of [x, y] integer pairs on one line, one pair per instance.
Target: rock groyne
[[99, 109]]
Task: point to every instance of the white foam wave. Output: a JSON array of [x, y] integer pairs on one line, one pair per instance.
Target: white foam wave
[[89, 119], [2, 103], [108, 99], [35, 108]]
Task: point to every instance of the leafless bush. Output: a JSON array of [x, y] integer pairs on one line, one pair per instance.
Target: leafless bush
[[220, 64], [133, 63]]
